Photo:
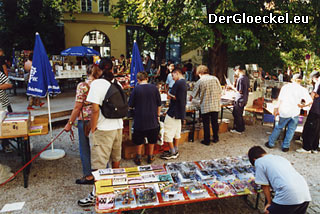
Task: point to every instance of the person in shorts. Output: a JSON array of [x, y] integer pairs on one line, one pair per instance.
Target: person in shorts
[[175, 114], [146, 103], [106, 134]]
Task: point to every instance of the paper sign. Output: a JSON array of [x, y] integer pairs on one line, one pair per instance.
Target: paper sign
[[12, 207]]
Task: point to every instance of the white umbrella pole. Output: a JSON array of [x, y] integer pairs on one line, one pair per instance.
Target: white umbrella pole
[[52, 154], [50, 125]]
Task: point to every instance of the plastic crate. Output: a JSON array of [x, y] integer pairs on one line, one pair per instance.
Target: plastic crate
[[268, 118]]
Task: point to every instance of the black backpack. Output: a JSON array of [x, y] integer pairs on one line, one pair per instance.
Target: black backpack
[[114, 105]]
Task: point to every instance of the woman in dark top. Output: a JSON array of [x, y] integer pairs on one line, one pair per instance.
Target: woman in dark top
[[162, 71]]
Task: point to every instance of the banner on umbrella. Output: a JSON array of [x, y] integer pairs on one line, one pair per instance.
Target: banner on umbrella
[[41, 79]]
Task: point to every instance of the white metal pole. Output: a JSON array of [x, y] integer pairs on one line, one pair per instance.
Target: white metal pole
[[49, 114]]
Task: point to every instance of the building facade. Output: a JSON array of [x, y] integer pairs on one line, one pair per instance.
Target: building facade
[[93, 27]]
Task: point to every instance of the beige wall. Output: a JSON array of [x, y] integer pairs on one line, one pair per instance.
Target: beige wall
[[74, 33], [79, 24]]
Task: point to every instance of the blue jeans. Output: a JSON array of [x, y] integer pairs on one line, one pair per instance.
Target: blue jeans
[[84, 148], [292, 125], [189, 76]]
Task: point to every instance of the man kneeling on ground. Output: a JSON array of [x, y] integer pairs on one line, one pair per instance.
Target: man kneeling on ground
[[292, 194]]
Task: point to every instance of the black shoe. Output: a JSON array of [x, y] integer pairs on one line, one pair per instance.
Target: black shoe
[[204, 143], [150, 159], [285, 149], [267, 145], [215, 140], [137, 161], [83, 180]]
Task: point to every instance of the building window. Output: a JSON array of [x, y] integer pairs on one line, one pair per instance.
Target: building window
[[104, 6], [86, 5], [98, 41]]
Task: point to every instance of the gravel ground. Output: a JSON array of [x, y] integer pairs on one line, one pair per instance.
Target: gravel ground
[[52, 188]]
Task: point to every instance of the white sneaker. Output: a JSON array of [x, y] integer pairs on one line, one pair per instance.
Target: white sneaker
[[314, 151], [235, 131], [302, 150], [88, 201]]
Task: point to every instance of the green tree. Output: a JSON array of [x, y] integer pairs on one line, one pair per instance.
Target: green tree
[[158, 18], [265, 42], [21, 19]]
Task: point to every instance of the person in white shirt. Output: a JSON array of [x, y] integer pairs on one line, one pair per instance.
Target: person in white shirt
[[288, 109], [280, 77], [292, 194], [106, 134]]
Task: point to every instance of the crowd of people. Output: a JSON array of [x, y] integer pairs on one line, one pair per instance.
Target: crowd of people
[[100, 137]]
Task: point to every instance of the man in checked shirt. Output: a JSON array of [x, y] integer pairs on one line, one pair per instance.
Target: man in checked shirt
[[208, 89]]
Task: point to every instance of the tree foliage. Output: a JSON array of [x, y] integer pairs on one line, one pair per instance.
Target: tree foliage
[[158, 18]]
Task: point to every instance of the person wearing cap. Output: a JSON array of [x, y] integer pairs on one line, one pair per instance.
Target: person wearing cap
[[311, 128], [242, 93], [288, 108], [292, 195]]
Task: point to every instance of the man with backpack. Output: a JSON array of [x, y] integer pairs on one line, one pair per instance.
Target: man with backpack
[[106, 122]]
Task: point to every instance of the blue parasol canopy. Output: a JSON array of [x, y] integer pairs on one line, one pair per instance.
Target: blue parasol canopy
[[136, 64], [41, 80], [79, 51]]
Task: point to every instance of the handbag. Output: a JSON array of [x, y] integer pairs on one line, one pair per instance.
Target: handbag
[[87, 124]]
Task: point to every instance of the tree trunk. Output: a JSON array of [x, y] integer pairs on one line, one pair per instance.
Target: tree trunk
[[161, 51], [218, 61]]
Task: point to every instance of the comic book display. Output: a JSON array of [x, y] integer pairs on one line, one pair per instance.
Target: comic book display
[[152, 185]]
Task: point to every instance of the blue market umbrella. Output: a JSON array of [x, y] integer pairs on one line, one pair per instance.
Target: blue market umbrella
[[136, 64], [43, 83], [79, 51]]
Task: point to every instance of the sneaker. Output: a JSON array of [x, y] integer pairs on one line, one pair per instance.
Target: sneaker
[[285, 149], [137, 161], [235, 131], [302, 150], [88, 201], [267, 145], [150, 159], [314, 151], [30, 108], [169, 156]]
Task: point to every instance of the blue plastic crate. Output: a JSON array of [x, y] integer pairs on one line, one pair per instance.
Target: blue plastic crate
[[268, 118]]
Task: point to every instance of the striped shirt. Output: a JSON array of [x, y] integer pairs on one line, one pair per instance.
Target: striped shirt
[[209, 90], [4, 100]]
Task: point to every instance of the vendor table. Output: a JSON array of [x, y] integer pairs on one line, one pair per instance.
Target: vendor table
[[23, 145], [104, 187], [16, 81]]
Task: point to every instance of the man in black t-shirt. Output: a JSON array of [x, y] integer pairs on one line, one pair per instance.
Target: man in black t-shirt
[[146, 102], [242, 93], [175, 114]]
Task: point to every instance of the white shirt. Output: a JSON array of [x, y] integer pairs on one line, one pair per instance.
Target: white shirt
[[97, 92], [290, 96], [280, 77], [289, 186]]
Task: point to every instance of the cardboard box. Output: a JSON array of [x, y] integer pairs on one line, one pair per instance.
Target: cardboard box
[[249, 120], [15, 124], [223, 127], [15, 128], [129, 150]]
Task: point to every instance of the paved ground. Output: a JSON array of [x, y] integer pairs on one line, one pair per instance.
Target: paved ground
[[52, 188]]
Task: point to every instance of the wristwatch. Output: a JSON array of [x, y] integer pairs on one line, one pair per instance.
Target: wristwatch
[[70, 122]]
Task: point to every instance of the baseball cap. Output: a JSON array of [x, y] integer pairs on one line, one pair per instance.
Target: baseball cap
[[297, 77]]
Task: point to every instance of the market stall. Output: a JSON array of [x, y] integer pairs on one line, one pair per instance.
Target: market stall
[[153, 186], [19, 127]]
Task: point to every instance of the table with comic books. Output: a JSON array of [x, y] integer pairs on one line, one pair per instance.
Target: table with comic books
[[151, 186]]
